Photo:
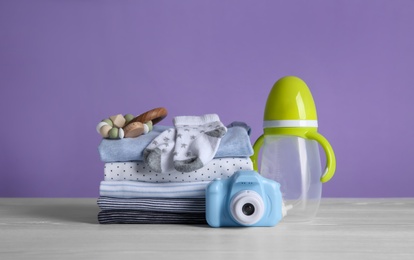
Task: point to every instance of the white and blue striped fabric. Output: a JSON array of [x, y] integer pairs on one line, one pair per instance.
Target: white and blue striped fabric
[[185, 205], [149, 217], [133, 189]]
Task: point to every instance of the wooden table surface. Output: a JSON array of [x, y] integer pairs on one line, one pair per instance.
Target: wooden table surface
[[343, 229]]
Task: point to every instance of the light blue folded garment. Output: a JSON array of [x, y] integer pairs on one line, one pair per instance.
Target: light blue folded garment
[[136, 189], [235, 143]]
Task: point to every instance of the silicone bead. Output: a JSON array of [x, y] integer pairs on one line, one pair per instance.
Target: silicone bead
[[149, 124], [121, 133], [113, 133], [104, 131], [146, 129], [128, 118], [118, 120], [107, 120], [98, 127]]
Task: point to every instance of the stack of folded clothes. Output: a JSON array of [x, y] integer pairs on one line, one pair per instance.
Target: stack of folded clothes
[[160, 177]]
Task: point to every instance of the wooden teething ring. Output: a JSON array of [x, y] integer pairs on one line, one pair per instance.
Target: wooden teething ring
[[155, 115]]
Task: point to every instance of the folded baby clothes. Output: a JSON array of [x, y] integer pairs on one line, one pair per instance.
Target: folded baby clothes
[[235, 143], [134, 189], [133, 194], [175, 205], [138, 171], [149, 217]]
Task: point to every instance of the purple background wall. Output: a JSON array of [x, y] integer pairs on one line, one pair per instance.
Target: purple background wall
[[65, 65]]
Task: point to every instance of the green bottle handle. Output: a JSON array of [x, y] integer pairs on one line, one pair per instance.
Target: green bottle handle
[[330, 166]]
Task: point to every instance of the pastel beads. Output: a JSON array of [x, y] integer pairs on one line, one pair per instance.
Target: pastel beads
[[128, 118], [118, 120], [108, 121], [104, 130], [100, 125], [117, 127], [113, 133], [148, 127]]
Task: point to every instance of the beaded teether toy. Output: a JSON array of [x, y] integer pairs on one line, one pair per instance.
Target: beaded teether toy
[[119, 126]]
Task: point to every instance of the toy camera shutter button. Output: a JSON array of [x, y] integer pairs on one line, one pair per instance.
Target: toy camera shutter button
[[290, 153]]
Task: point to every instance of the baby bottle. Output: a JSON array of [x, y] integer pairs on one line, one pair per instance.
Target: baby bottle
[[290, 152]]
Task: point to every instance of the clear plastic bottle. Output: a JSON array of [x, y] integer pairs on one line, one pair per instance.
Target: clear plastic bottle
[[290, 153]]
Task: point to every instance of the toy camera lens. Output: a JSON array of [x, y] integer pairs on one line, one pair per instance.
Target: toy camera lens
[[248, 209]]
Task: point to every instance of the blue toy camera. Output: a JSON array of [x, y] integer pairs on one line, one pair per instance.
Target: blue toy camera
[[245, 199]]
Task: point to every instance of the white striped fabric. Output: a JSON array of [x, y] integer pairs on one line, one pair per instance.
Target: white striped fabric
[[133, 189], [188, 205], [148, 217]]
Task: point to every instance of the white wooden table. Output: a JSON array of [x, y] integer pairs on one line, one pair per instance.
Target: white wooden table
[[344, 229]]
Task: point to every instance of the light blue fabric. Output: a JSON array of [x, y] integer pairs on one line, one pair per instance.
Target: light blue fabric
[[137, 189], [235, 143]]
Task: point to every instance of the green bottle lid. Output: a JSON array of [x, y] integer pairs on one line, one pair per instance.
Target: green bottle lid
[[290, 104]]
